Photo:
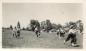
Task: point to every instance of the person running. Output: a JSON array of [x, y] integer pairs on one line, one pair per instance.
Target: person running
[[60, 33], [37, 31], [71, 36]]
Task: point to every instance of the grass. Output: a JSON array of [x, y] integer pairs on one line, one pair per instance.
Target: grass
[[28, 39]]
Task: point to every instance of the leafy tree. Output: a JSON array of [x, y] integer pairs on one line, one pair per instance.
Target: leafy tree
[[18, 25], [79, 25], [54, 26], [33, 24], [23, 28], [49, 25], [59, 26]]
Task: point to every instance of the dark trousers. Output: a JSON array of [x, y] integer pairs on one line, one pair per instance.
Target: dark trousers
[[37, 33], [72, 37], [62, 34]]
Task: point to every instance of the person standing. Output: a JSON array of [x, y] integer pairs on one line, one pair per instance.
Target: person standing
[[37, 31], [14, 32]]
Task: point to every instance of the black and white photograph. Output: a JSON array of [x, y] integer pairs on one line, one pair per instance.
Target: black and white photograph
[[42, 25]]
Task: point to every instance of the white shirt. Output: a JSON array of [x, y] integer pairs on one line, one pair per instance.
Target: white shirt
[[36, 29], [72, 31]]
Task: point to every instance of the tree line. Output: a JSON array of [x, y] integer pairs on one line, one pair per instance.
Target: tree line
[[48, 26]]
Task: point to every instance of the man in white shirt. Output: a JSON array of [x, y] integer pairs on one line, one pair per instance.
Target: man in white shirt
[[71, 36]]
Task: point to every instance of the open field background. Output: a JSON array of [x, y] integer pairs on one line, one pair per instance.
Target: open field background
[[28, 39]]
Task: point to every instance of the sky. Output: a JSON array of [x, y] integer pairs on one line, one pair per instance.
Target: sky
[[58, 13]]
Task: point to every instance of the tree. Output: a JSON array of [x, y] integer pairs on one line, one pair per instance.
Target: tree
[[42, 24], [18, 25], [71, 23], [59, 26], [33, 24], [54, 26], [23, 28], [79, 25], [37, 23], [49, 25]]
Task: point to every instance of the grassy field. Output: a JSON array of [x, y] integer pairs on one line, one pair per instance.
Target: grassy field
[[28, 39]]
